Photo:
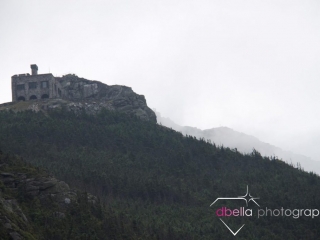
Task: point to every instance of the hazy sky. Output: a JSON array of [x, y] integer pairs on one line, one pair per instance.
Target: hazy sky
[[253, 66]]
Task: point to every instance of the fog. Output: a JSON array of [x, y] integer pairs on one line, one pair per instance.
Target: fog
[[243, 143], [252, 66]]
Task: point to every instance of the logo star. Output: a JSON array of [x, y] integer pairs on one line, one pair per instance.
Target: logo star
[[247, 197]]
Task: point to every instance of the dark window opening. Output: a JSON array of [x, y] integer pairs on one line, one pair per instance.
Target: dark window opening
[[44, 84], [21, 98], [33, 97], [20, 87], [32, 85], [44, 96]]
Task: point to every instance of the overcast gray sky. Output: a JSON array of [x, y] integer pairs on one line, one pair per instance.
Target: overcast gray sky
[[253, 66]]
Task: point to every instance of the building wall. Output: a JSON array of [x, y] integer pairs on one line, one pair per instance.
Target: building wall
[[32, 87]]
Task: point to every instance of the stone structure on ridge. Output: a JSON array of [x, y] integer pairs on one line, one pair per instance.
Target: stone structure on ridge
[[45, 91], [35, 86]]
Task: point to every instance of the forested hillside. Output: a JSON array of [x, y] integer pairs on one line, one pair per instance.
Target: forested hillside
[[157, 183]]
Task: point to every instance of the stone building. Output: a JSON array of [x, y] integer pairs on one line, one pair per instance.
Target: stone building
[[35, 86]]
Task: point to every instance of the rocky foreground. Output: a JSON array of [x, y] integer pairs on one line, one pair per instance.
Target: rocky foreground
[[28, 195]]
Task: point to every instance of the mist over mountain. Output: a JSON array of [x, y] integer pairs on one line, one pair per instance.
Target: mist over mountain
[[224, 136]]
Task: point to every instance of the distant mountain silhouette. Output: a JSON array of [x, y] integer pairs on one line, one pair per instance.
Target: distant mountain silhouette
[[243, 143]]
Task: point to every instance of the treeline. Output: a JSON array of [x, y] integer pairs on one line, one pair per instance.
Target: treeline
[[159, 182]]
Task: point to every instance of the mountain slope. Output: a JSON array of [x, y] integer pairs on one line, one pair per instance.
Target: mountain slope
[[158, 182], [243, 143]]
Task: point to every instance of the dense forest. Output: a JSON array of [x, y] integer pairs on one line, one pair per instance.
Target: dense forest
[[153, 182]]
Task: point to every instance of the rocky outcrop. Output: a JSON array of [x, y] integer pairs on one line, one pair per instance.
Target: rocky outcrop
[[42, 187], [115, 97], [16, 187]]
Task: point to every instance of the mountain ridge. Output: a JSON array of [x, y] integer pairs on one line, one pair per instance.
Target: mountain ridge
[[225, 136]]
